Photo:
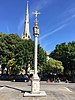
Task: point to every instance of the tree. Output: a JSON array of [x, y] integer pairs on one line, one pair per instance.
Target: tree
[[53, 66], [12, 67], [8, 43], [65, 53], [13, 47], [41, 58]]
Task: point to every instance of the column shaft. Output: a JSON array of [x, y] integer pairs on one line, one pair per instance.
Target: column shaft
[[35, 56]]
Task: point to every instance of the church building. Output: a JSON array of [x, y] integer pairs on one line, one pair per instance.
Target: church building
[[26, 33]]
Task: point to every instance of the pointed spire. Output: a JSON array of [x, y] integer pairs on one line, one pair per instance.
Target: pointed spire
[[26, 33]]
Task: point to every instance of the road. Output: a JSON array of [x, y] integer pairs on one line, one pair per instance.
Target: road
[[55, 91]]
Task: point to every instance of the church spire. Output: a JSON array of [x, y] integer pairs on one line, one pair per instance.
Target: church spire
[[26, 33]]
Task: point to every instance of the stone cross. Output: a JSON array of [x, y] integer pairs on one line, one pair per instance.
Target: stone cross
[[36, 13]]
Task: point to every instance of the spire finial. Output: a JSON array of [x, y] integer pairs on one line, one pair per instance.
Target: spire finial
[[27, 2]]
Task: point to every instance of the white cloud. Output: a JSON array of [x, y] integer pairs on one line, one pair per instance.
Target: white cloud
[[38, 5], [69, 12], [47, 44], [43, 3], [21, 24], [57, 29], [64, 23], [72, 16], [66, 17], [8, 31]]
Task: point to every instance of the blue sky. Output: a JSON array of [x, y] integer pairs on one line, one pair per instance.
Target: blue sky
[[56, 21]]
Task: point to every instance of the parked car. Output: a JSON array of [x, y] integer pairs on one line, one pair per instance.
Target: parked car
[[4, 77], [73, 79], [20, 78]]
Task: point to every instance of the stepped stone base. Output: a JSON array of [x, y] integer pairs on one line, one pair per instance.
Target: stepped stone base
[[40, 94]]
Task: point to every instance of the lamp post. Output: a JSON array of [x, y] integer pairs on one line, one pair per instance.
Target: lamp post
[[35, 80]]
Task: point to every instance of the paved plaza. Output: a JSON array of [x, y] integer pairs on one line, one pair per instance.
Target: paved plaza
[[55, 91]]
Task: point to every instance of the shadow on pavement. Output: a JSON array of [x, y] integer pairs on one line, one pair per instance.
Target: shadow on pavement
[[23, 91]]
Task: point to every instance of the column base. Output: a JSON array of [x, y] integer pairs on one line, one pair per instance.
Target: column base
[[35, 88], [40, 94], [35, 84]]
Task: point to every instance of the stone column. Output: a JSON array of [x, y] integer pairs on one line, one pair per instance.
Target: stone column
[[35, 58], [35, 80], [35, 83]]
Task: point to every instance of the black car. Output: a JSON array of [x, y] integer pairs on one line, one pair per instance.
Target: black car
[[73, 79], [4, 77], [20, 78]]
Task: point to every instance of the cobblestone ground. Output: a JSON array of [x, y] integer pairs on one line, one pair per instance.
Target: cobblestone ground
[[15, 91]]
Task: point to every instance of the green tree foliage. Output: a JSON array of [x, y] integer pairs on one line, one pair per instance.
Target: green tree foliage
[[65, 53], [53, 66], [8, 44], [41, 58], [16, 54]]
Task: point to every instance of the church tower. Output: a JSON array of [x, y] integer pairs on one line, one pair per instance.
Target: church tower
[[26, 33]]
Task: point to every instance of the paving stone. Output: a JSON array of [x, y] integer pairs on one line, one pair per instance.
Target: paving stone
[[15, 91]]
